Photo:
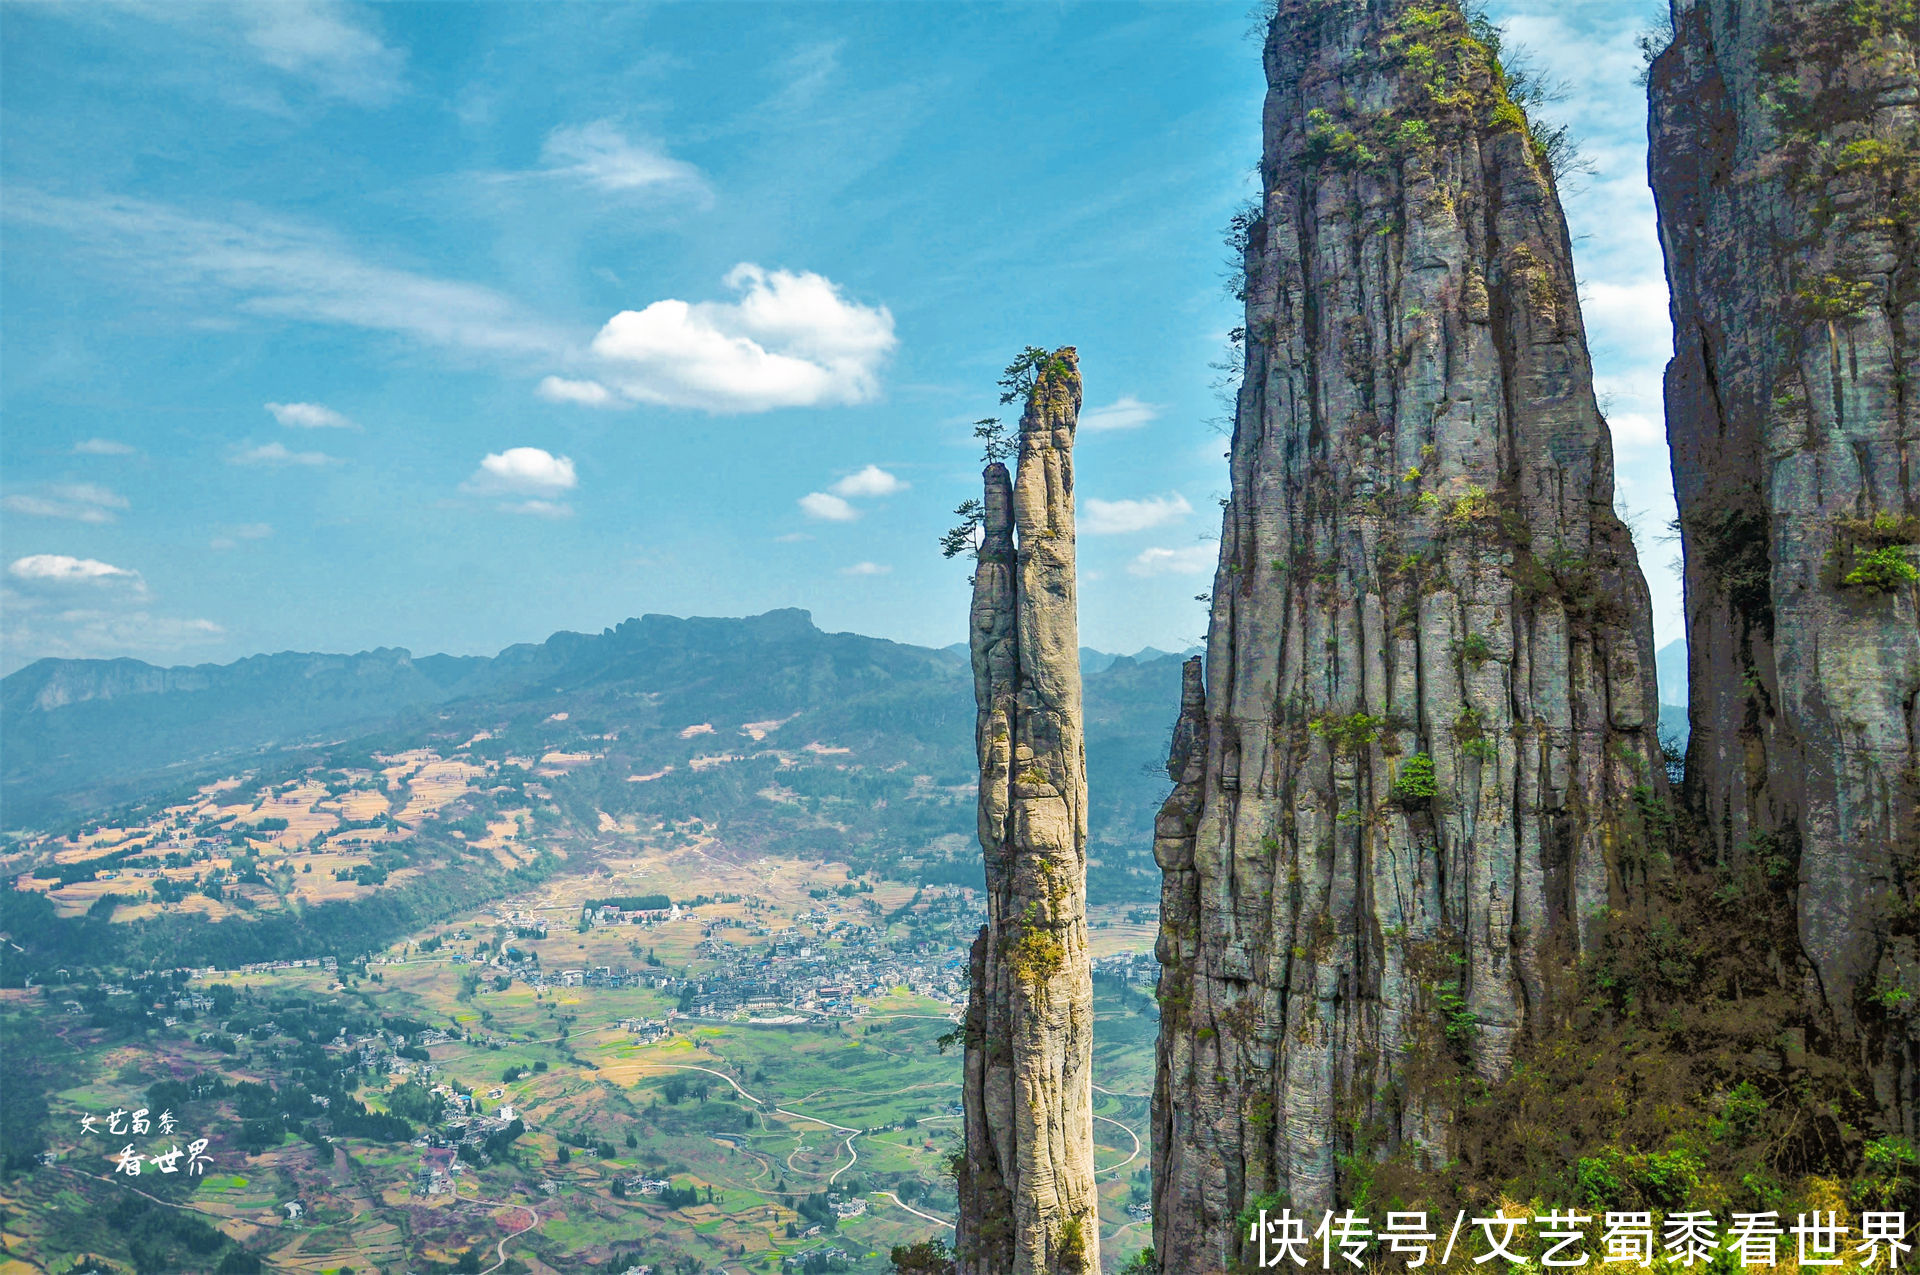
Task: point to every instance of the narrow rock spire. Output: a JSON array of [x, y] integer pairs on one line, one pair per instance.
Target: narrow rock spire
[[1027, 1203], [1785, 157], [1403, 789]]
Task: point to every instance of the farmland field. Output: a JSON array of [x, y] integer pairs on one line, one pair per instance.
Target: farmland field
[[764, 1131]]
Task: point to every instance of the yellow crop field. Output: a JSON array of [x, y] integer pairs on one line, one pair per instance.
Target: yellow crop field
[[363, 803], [757, 731], [437, 782], [503, 830]]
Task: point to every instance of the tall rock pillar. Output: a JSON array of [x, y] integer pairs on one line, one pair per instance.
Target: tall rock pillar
[[1783, 154], [1406, 786], [1026, 1183]]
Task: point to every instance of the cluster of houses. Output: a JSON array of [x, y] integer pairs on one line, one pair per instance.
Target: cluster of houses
[[815, 968], [1139, 969], [327, 963], [822, 975], [609, 914], [646, 1031], [641, 1184], [472, 1130], [522, 966], [438, 1168]]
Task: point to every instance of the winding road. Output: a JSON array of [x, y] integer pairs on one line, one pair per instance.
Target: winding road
[[853, 1156], [1115, 1168], [500, 1248], [916, 1212]]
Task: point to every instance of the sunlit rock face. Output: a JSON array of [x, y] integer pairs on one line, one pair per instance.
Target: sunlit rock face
[[1783, 143], [1027, 1205], [1426, 722]]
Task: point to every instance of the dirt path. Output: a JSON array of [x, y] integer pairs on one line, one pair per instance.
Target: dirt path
[[852, 1158], [916, 1212], [721, 1075], [1115, 1168], [500, 1247]]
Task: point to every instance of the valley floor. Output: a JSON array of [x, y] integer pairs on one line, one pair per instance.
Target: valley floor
[[570, 1105]]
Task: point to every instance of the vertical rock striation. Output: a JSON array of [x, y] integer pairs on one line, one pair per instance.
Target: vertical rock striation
[[1026, 1181], [1783, 163], [1404, 789]]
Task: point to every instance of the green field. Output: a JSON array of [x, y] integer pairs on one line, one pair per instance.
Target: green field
[[752, 1124]]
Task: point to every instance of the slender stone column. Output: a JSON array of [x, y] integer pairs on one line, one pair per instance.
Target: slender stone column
[[1027, 1203]]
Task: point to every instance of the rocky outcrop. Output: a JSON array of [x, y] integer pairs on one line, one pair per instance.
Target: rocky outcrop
[[1026, 1180], [1409, 782], [1783, 147]]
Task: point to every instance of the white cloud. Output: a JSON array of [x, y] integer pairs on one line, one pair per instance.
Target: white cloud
[[1194, 560], [523, 471], [556, 389], [1636, 431], [58, 568], [1125, 412], [600, 155], [539, 508], [246, 531], [1117, 517], [101, 447], [809, 70], [309, 416], [263, 266], [78, 502], [37, 628], [278, 455], [1630, 318], [324, 43], [871, 481], [41, 507], [791, 340], [91, 493], [331, 47], [865, 569], [827, 508], [56, 605]]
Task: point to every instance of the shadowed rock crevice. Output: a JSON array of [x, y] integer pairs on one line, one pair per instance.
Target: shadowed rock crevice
[[1783, 145]]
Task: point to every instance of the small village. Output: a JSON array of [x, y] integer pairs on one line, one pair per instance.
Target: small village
[[817, 967], [821, 966]]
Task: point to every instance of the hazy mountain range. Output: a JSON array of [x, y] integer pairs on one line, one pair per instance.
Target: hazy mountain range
[[79, 736]]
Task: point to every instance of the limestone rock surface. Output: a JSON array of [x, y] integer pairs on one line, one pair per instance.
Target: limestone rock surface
[[1426, 721], [1027, 1204], [1783, 144]]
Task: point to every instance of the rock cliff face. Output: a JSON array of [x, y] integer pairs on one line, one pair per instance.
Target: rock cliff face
[[1783, 146], [1026, 1182], [1409, 778]]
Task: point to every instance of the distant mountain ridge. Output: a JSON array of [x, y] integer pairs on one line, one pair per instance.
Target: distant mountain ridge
[[67, 724], [50, 684], [80, 736]]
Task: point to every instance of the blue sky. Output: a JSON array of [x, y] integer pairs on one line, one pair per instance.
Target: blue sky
[[328, 326]]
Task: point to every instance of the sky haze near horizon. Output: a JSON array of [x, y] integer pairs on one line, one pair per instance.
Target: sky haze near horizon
[[327, 326]]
